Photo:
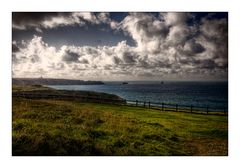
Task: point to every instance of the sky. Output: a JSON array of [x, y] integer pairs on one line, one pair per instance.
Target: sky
[[120, 46]]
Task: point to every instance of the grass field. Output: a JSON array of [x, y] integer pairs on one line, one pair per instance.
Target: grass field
[[65, 127]]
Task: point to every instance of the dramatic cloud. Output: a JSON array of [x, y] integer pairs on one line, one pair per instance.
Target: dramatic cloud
[[15, 48], [24, 20], [39, 20], [175, 18], [166, 47]]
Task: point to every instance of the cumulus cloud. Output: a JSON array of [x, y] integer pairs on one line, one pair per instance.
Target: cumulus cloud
[[175, 18], [145, 29], [70, 56], [166, 46], [169, 42], [192, 47]]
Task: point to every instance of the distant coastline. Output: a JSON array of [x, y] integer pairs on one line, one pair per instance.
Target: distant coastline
[[187, 93], [52, 81]]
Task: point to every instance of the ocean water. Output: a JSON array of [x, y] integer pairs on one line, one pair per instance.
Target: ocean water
[[202, 94]]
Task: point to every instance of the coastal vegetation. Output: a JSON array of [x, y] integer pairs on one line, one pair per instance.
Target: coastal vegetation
[[52, 81], [52, 126]]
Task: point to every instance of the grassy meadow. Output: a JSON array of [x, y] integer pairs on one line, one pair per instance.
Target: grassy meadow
[[79, 128]]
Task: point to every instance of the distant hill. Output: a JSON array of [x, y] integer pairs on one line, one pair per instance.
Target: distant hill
[[50, 81]]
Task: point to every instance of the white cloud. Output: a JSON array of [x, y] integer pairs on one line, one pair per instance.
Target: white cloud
[[175, 18], [166, 47], [59, 21], [38, 21]]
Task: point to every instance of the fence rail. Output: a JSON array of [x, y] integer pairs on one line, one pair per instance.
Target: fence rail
[[178, 107], [134, 103]]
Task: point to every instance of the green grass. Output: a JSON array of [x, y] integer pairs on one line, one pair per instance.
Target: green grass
[[16, 88], [64, 127]]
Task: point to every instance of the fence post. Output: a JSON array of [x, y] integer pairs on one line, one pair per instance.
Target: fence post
[[162, 106], [149, 104], [136, 102], [176, 107], [144, 104], [191, 108], [207, 109]]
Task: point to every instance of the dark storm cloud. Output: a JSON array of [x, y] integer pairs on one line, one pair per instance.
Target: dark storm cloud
[[193, 48], [196, 48], [23, 20], [162, 64], [34, 58], [116, 60], [207, 64], [129, 57], [143, 64], [214, 29], [70, 56], [215, 33], [15, 48], [91, 50], [50, 20], [166, 45], [84, 61]]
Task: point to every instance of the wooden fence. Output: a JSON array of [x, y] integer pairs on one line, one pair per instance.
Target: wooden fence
[[134, 103], [178, 107]]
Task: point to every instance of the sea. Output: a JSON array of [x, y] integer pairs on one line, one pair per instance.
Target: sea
[[199, 94]]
